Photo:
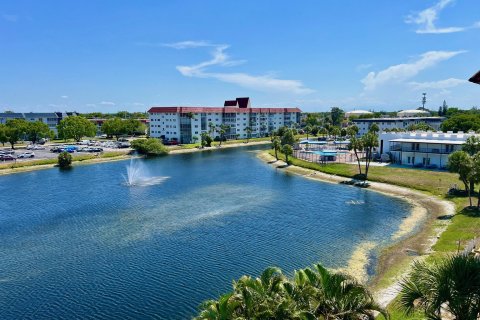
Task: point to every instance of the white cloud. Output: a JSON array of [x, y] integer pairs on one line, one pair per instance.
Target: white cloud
[[64, 97], [404, 71], [363, 66], [188, 44], [107, 103], [441, 84], [220, 58], [426, 19]]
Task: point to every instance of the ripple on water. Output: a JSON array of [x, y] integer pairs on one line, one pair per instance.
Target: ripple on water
[[91, 248]]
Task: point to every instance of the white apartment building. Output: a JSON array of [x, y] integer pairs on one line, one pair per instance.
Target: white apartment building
[[421, 149], [181, 124], [391, 123]]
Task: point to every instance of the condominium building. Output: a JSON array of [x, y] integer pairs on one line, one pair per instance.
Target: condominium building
[[182, 124], [421, 149], [392, 123]]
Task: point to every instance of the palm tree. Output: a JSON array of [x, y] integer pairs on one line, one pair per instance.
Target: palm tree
[[307, 130], [452, 286], [276, 145], [287, 151], [249, 132], [223, 309], [222, 129]]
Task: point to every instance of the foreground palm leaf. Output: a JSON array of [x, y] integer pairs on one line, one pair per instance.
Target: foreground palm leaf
[[313, 293], [451, 286]]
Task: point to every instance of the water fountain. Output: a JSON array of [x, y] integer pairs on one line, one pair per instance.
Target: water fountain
[[137, 175]]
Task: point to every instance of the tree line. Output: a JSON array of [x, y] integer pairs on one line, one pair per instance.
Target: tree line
[[73, 127]]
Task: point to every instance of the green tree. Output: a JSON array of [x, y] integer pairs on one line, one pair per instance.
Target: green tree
[[335, 132], [374, 128], [114, 127], [149, 147], [307, 130], [194, 139], [462, 122], [369, 141], [206, 140], [336, 115], [288, 137], [248, 130], [64, 160], [471, 145], [287, 151], [222, 130], [76, 127], [460, 162], [3, 134], [356, 144], [211, 128], [312, 119], [37, 130], [15, 130], [133, 126], [311, 294], [451, 285], [422, 126], [276, 145]]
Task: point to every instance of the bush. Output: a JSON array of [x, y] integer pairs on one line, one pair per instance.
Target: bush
[[64, 160], [150, 147]]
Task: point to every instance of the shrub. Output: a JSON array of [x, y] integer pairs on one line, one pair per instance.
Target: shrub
[[151, 147], [64, 160]]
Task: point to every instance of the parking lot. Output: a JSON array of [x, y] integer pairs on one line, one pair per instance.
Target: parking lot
[[39, 154]]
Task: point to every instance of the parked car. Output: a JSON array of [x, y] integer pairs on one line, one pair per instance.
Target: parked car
[[7, 151], [35, 147], [6, 157], [26, 155]]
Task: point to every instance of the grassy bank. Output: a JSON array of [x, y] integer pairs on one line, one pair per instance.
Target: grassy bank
[[463, 227], [53, 161]]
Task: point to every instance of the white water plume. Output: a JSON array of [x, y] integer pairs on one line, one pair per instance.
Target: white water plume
[[137, 176]]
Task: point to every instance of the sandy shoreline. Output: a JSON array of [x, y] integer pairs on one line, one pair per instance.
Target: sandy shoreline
[[425, 210], [225, 146]]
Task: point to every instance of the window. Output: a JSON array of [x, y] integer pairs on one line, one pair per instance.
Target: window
[[408, 159]]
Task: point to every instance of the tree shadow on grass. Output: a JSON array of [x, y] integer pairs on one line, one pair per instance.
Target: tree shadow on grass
[[470, 212]]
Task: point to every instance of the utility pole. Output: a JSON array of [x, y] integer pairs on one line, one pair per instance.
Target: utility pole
[[424, 100]]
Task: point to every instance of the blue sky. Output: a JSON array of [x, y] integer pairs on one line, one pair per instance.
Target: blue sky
[[130, 55]]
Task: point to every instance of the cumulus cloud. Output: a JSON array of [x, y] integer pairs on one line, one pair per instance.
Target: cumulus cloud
[[441, 84], [221, 59], [404, 71], [426, 19]]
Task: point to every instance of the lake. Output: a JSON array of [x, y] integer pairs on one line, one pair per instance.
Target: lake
[[82, 244]]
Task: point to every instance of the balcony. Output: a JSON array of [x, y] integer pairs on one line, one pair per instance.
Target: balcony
[[422, 150]]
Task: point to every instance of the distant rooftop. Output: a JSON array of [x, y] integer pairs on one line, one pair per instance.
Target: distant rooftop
[[475, 78], [398, 119]]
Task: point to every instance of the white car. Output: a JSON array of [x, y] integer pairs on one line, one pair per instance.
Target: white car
[[26, 155]]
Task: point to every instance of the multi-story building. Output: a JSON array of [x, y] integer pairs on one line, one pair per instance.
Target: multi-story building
[[421, 149], [182, 124], [400, 123], [52, 119]]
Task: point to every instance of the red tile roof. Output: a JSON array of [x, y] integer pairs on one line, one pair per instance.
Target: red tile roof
[[220, 110]]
